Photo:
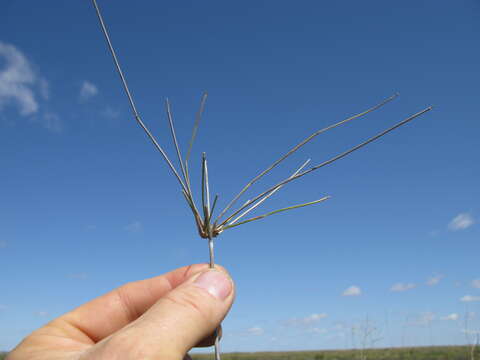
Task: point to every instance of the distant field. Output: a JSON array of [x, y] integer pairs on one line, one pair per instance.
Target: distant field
[[417, 353]]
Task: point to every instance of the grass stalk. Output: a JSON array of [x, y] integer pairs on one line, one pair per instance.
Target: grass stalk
[[331, 160], [298, 146], [266, 196], [276, 212]]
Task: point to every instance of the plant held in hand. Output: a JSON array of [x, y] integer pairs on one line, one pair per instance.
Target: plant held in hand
[[208, 225]]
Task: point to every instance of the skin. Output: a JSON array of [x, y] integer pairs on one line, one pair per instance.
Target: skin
[[158, 318]]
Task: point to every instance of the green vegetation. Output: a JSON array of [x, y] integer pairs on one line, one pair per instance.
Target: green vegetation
[[417, 353]]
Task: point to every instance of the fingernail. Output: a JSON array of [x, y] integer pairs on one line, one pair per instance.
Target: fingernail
[[216, 283]]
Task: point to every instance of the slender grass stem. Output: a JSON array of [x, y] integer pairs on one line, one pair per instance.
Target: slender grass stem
[[211, 253], [266, 196], [198, 117], [130, 97], [175, 142], [203, 187], [296, 147], [207, 187], [277, 211], [215, 199], [217, 330], [333, 159]]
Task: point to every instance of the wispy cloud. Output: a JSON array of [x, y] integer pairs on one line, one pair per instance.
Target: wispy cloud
[[42, 313], [453, 317], [3, 307], [461, 222], [475, 283], [3, 244], [134, 227], [18, 81], [399, 287], [434, 280], [352, 291], [306, 321], [87, 90], [469, 298], [23, 88]]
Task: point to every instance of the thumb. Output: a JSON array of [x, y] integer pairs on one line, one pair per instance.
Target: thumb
[[180, 319]]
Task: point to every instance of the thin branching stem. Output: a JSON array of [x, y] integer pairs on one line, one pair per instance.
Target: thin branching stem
[[207, 187], [277, 211], [333, 159], [296, 147], [175, 142], [215, 199], [266, 197], [198, 117], [185, 174], [130, 97], [203, 185]]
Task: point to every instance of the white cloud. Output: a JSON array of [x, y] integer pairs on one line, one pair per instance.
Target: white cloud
[[87, 90], [17, 81], [470, 298], [453, 316], [3, 244], [434, 280], [134, 227], [476, 283], [461, 222], [352, 291], [255, 331], [22, 87], [42, 313], [306, 321], [399, 287]]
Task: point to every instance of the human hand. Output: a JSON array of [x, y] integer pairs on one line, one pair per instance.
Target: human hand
[[158, 318]]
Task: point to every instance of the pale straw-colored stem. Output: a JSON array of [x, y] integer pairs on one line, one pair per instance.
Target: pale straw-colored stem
[[130, 97], [277, 211], [333, 159], [266, 197], [296, 147]]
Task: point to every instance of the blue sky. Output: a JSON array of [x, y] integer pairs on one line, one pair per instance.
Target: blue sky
[[87, 204]]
